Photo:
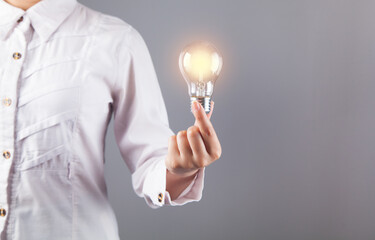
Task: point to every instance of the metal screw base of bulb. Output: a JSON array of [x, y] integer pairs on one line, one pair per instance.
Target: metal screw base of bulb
[[204, 101]]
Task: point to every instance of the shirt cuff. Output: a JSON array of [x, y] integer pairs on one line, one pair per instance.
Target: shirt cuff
[[192, 193], [154, 186], [155, 192]]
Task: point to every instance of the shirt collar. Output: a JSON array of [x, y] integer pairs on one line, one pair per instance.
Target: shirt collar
[[45, 16]]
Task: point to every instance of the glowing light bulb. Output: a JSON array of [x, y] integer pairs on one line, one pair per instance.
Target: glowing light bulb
[[200, 65]]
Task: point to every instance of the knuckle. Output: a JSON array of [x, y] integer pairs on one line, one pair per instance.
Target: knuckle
[[200, 117], [209, 132], [172, 138], [181, 134], [196, 164], [216, 154], [183, 164], [175, 165], [189, 165], [192, 131], [200, 162]]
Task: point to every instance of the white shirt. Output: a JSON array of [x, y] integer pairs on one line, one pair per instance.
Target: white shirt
[[64, 70]]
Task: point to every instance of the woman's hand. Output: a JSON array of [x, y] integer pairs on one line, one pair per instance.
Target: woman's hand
[[190, 150]]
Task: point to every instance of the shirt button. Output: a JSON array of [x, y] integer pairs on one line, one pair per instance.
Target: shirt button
[[7, 101], [6, 154], [3, 212], [20, 19], [17, 55], [160, 197]]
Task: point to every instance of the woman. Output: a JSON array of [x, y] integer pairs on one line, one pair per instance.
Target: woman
[[64, 70]]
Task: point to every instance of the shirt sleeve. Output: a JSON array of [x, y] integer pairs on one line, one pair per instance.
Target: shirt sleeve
[[141, 125]]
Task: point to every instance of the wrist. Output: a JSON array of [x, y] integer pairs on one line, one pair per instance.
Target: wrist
[[177, 182], [182, 173]]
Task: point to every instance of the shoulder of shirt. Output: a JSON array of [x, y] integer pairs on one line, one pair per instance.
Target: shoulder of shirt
[[89, 22]]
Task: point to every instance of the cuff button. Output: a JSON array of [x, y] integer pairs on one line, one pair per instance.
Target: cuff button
[[2, 212], [160, 197], [17, 55]]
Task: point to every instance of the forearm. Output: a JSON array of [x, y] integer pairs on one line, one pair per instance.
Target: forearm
[[176, 184]]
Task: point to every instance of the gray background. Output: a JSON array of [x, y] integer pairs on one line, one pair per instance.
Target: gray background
[[294, 109]]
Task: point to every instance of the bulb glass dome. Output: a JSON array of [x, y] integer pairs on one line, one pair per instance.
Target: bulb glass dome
[[200, 65]]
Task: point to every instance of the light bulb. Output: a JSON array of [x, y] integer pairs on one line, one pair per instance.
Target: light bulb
[[200, 64]]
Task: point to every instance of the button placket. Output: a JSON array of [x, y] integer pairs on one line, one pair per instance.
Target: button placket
[[8, 95]]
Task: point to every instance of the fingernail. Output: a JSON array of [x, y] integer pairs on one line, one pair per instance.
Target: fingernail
[[196, 106]]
